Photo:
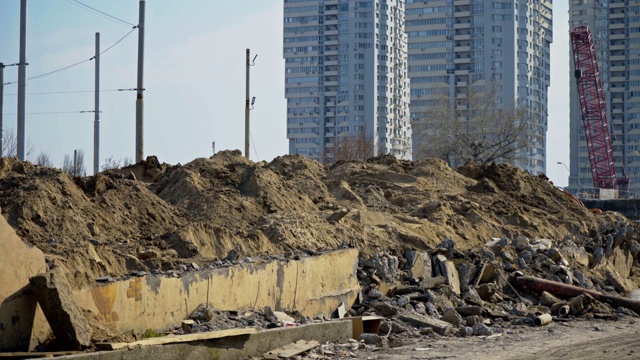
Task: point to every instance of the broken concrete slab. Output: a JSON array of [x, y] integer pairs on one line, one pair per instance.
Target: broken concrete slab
[[448, 270], [55, 297], [291, 350], [20, 318], [439, 326], [418, 265], [618, 282], [431, 283]]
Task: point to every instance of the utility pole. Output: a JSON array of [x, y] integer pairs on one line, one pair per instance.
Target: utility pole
[[140, 87], [96, 121], [22, 81], [246, 108], [213, 146], [1, 107]]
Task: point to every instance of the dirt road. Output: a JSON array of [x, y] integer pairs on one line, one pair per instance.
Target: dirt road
[[567, 341]]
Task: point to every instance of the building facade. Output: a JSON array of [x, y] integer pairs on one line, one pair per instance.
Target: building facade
[[346, 75], [615, 25], [455, 45]]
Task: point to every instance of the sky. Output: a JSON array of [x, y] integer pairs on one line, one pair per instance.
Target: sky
[[194, 79]]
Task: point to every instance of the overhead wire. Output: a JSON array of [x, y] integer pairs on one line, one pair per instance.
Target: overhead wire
[[99, 12], [64, 92], [54, 112], [254, 147], [78, 63]]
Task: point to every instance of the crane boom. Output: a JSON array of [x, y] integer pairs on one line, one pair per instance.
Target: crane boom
[[594, 114]]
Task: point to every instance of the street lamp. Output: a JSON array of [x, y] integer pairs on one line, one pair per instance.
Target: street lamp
[[565, 166]]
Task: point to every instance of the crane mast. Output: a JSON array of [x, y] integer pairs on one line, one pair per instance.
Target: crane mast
[[594, 114]]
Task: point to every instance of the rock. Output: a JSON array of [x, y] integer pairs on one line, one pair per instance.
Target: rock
[[95, 242], [375, 294], [472, 296], [418, 265], [432, 310], [386, 267], [580, 304], [472, 320], [598, 255], [93, 229], [431, 283], [466, 331], [283, 317], [65, 316], [202, 313], [449, 272], [497, 243], [448, 245], [469, 310], [439, 326], [481, 329], [148, 254], [385, 308], [195, 266], [402, 301], [420, 308], [187, 325], [486, 291], [374, 339], [465, 271], [392, 327], [452, 317], [617, 281], [520, 243], [338, 215]]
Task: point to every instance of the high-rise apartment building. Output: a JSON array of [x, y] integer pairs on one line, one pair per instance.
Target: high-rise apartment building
[[615, 25], [502, 45], [346, 73]]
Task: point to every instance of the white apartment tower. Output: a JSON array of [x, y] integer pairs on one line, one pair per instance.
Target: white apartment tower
[[615, 25], [346, 73], [505, 45]]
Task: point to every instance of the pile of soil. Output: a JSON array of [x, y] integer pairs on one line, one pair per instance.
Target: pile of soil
[[155, 216]]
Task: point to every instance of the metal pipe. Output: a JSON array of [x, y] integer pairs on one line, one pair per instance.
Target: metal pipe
[[96, 121], [22, 82], [140, 87], [246, 106], [564, 310], [565, 291], [542, 320], [1, 107]]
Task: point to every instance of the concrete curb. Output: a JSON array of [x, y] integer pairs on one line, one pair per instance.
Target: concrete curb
[[229, 348]]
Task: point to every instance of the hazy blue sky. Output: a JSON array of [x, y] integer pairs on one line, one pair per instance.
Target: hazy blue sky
[[194, 78]]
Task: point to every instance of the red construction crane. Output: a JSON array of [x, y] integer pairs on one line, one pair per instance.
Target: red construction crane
[[594, 114]]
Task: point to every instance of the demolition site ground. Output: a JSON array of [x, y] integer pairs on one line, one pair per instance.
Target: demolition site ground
[[452, 262]]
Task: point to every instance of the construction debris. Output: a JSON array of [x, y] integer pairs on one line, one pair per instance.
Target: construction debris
[[469, 252]]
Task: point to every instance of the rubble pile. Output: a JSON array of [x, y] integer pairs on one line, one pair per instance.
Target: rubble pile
[[153, 217], [483, 291]]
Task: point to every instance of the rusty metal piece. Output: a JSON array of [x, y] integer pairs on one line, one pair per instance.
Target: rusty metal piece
[[564, 291]]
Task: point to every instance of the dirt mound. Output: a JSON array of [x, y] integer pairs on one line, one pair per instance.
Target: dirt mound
[[152, 215]]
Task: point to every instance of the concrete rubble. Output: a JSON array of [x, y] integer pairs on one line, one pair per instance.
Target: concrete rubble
[[223, 243]]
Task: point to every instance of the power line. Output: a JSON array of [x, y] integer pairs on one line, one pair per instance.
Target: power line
[[78, 63], [55, 112], [65, 92], [96, 11]]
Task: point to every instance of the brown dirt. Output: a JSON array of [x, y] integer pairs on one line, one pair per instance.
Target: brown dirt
[[206, 208]]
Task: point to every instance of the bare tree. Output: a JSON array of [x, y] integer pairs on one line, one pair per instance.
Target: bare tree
[[349, 146], [475, 126], [77, 167], [110, 163], [44, 159], [10, 144]]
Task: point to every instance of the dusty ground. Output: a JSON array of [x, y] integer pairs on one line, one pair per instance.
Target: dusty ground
[[574, 340]]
